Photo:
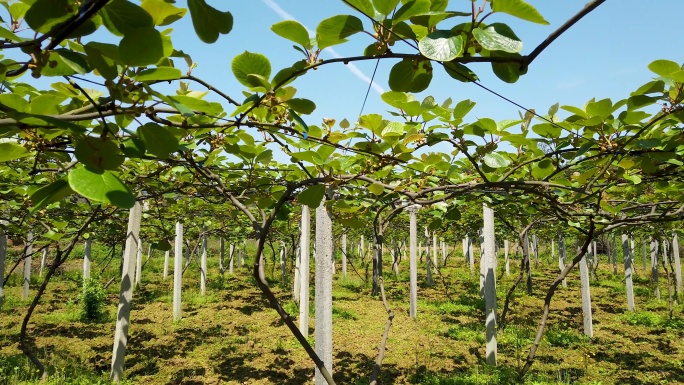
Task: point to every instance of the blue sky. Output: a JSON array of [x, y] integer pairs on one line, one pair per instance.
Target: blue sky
[[604, 55]]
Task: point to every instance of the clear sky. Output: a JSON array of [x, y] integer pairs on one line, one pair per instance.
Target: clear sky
[[604, 55]]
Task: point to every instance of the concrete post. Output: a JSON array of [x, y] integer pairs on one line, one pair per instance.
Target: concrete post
[[677, 263], [323, 287], [126, 293], [561, 257], [413, 262], [304, 271], [3, 256], [203, 262], [87, 259], [629, 286], [344, 255], [506, 259], [166, 265], [178, 272], [654, 267], [27, 265], [490, 285], [43, 262], [586, 297]]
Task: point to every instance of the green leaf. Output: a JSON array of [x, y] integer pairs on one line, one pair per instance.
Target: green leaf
[[385, 7], [101, 187], [336, 29], [163, 12], [134, 148], [543, 169], [208, 21], [298, 119], [14, 102], [87, 28], [53, 192], [496, 160], [312, 196], [162, 245], [122, 17], [45, 14], [159, 73], [248, 63], [519, 9], [462, 108], [66, 63], [158, 140], [302, 106], [664, 67], [435, 224], [143, 46], [453, 214], [293, 31], [187, 105], [97, 154], [376, 189], [633, 178], [410, 76], [547, 130], [442, 45], [364, 6], [508, 72], [11, 151], [101, 63], [410, 9], [393, 129], [46, 104], [490, 39], [602, 108]]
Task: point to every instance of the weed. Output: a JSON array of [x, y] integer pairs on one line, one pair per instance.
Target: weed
[[556, 336], [644, 318], [464, 333], [92, 301], [344, 314]]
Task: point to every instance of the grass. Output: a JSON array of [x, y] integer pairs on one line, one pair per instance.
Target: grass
[[231, 335]]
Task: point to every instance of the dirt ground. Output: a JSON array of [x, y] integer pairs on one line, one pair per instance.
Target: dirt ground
[[231, 336]]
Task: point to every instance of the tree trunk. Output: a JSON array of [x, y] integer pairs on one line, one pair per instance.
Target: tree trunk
[[126, 292], [377, 261]]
